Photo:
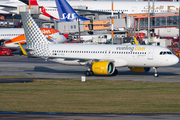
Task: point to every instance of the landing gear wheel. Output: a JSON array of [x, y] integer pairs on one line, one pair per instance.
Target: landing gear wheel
[[89, 73], [156, 73], [115, 72], [20, 53]]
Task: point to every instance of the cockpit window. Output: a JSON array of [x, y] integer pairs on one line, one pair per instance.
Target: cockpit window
[[169, 52], [165, 52]]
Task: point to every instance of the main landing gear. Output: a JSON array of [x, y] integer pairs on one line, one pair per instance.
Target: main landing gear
[[89, 72], [115, 72], [156, 73]]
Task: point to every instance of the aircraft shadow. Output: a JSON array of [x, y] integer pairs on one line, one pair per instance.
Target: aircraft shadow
[[148, 73], [151, 73], [16, 80], [49, 70]]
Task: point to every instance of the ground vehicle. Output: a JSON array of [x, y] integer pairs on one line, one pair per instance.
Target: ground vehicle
[[177, 52], [6, 51]]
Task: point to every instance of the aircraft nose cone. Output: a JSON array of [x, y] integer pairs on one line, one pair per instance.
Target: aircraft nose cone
[[175, 60]]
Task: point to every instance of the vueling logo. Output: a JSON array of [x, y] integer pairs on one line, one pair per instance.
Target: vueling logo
[[68, 16], [140, 48]]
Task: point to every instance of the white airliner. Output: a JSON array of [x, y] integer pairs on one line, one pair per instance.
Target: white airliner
[[104, 7], [49, 11], [9, 6], [13, 36], [100, 59], [10, 33]]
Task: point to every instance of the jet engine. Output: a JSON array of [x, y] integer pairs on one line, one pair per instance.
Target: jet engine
[[103, 68], [140, 69]]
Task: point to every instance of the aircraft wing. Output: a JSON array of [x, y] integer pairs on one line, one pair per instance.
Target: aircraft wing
[[80, 59], [7, 9], [84, 11], [8, 6]]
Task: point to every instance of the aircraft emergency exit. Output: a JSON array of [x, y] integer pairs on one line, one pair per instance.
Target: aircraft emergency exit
[[100, 59]]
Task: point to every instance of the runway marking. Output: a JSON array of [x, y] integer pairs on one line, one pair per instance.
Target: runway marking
[[172, 77]]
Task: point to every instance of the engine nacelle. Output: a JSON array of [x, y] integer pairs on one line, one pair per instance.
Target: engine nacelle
[[103, 68], [140, 69]]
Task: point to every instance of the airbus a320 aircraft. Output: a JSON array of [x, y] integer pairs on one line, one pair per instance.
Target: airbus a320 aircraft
[[13, 36], [101, 59]]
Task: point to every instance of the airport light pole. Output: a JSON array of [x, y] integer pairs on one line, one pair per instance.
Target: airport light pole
[[148, 21], [112, 33], [153, 19], [79, 29], [179, 25], [29, 6]]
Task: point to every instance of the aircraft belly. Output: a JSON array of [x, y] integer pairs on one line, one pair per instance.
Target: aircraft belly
[[119, 62], [138, 61]]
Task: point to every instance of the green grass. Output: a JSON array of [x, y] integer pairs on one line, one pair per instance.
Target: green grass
[[92, 96]]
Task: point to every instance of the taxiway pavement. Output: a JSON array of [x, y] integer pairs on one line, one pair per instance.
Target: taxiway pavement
[[22, 66]]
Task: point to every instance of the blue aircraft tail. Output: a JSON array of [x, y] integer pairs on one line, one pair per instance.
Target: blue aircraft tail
[[67, 13]]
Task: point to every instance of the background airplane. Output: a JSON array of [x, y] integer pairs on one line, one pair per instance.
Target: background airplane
[[104, 7], [10, 6], [103, 59], [10, 33], [67, 13], [13, 36], [48, 10]]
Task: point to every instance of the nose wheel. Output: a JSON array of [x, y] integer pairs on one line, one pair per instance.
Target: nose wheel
[[156, 73]]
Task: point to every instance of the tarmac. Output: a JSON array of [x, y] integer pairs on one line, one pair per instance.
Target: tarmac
[[21, 66]]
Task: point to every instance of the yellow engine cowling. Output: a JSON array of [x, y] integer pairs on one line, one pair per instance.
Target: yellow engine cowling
[[140, 69], [103, 68]]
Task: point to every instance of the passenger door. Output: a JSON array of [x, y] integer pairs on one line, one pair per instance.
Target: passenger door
[[150, 54]]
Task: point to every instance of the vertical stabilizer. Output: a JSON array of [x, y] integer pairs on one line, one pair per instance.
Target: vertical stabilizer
[[34, 37], [66, 12]]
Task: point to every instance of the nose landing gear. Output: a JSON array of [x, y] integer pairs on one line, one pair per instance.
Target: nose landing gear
[[156, 73]]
